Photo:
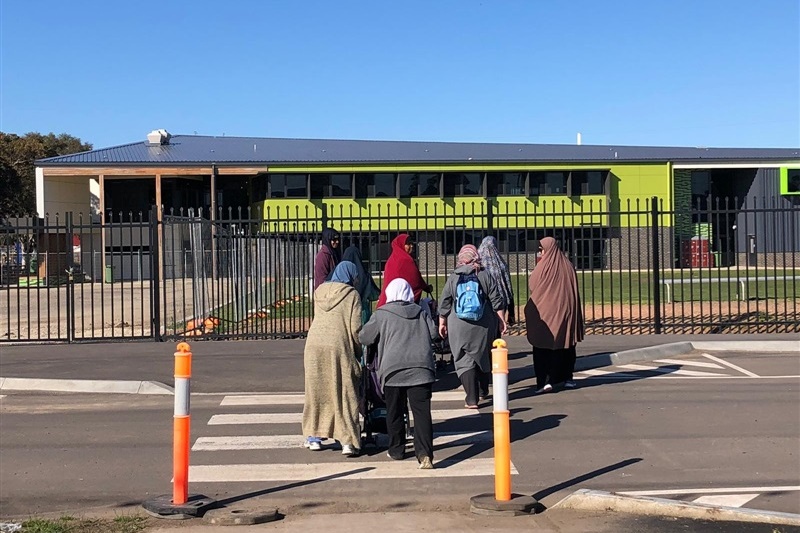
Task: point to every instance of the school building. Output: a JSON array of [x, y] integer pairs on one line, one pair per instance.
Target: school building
[[595, 199]]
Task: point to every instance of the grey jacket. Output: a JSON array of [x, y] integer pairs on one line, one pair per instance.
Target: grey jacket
[[404, 337]]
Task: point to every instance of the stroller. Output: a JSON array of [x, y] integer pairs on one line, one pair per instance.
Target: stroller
[[441, 347], [374, 406]]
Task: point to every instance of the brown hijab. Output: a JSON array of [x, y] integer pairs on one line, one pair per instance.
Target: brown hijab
[[554, 314]]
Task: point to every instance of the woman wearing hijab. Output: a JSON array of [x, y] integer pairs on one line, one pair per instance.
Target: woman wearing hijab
[[554, 317], [494, 264], [328, 256], [331, 363], [405, 368], [366, 287], [401, 265], [471, 340]]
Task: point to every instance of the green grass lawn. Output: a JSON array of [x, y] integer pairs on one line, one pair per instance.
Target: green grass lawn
[[635, 287], [599, 288]]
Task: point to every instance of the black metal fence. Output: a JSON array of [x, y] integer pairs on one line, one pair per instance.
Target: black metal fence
[[723, 266]]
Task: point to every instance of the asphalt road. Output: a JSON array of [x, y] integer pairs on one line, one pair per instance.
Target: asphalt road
[[663, 428], [247, 366]]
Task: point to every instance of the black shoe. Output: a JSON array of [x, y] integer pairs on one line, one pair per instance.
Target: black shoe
[[395, 457]]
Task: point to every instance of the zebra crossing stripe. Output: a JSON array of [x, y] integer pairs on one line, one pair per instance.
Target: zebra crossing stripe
[[275, 442], [298, 398], [670, 371], [352, 469], [726, 490], [595, 373], [263, 399], [688, 363], [297, 418], [726, 500]]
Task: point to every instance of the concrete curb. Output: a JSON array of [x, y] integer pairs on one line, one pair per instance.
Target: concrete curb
[[84, 385], [674, 349], [597, 500], [749, 346]]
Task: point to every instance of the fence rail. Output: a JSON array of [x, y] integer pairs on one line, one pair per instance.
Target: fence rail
[[728, 266]]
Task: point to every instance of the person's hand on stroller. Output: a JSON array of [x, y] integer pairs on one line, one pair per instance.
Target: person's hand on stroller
[[429, 289], [442, 327]]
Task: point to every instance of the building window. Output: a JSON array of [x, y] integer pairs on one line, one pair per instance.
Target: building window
[[505, 184], [455, 238], [331, 186], [463, 184], [288, 186], [376, 185], [589, 182], [419, 184], [793, 181], [548, 183], [513, 240]]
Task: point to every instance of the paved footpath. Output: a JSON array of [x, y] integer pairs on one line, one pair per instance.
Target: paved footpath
[[248, 366]]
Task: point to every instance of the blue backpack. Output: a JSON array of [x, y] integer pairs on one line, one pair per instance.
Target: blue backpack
[[469, 297]]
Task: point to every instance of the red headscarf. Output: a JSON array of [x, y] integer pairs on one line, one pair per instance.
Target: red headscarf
[[401, 265], [554, 315]]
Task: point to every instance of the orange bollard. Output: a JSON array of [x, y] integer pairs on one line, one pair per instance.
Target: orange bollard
[[500, 414], [181, 424]]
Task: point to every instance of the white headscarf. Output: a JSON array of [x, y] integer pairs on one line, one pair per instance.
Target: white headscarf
[[399, 290]]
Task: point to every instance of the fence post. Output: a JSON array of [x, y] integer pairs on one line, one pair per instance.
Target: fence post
[[69, 265], [155, 263], [656, 262], [489, 216]]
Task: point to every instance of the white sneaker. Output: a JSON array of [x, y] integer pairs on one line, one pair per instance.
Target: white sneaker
[[425, 463], [349, 450], [313, 445], [546, 388]]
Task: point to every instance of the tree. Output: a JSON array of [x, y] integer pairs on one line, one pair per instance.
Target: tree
[[18, 170]]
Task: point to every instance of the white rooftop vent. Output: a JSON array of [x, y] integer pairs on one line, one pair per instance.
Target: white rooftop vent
[[158, 137]]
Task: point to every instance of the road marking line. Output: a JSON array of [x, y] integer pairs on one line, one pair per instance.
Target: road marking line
[[726, 500], [729, 490], [270, 442], [299, 398], [687, 363], [659, 370], [348, 470], [297, 418], [730, 365], [595, 373]]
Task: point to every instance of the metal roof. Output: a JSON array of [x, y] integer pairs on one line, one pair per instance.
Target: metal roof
[[197, 150]]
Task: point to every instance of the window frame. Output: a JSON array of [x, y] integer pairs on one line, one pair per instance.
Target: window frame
[[460, 187], [327, 187], [547, 192], [360, 177], [573, 191], [503, 184], [419, 194], [285, 176]]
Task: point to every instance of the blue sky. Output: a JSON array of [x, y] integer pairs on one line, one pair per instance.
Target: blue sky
[[661, 72]]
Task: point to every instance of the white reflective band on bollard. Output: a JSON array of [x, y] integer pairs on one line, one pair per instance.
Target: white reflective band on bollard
[[500, 392], [182, 396]]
